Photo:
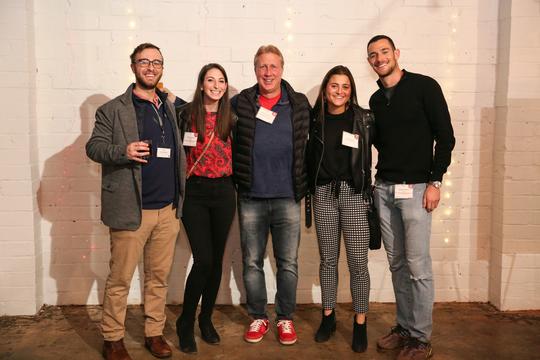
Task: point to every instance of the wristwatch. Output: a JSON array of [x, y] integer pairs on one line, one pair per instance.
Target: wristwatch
[[436, 184]]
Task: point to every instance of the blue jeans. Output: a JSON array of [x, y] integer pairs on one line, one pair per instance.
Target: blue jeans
[[280, 217], [406, 230]]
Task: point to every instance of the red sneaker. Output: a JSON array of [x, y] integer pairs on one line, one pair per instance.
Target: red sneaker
[[287, 335], [256, 331]]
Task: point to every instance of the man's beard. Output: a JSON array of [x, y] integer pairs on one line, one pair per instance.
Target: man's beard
[[143, 84]]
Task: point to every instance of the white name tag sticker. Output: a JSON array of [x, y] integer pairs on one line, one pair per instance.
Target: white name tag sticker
[[266, 115], [190, 139], [163, 153], [350, 140], [403, 191]]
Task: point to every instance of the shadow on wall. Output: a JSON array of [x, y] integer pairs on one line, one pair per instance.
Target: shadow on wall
[[68, 198], [232, 286]]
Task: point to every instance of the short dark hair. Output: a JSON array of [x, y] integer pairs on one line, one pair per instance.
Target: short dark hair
[[142, 47], [381, 37]]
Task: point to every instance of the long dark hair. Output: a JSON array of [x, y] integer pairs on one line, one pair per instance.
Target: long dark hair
[[320, 103], [198, 112]]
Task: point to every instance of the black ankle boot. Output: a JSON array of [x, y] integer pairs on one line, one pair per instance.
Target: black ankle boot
[[208, 332], [359, 338], [184, 330], [327, 327]]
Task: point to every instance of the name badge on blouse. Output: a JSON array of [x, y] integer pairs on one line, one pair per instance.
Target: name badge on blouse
[[350, 140], [164, 153], [266, 115], [403, 191], [190, 139]]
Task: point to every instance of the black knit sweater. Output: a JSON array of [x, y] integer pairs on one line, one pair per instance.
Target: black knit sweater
[[407, 126]]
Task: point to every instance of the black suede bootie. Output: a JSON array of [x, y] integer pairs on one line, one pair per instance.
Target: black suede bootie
[[208, 331], [186, 335], [359, 338], [327, 327]]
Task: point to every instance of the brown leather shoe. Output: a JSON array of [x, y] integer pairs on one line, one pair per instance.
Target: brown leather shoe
[[158, 346], [396, 339], [115, 350], [415, 350]]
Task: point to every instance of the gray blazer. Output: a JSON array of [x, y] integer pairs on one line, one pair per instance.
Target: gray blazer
[[121, 184]]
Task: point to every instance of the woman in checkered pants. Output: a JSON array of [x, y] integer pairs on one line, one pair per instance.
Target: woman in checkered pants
[[339, 165]]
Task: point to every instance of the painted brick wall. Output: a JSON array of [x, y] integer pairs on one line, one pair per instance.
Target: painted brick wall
[[20, 242], [515, 250], [80, 53]]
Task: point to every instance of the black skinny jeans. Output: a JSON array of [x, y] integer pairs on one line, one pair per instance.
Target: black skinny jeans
[[208, 212]]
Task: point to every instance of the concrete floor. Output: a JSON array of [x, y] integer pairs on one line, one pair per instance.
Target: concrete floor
[[462, 331]]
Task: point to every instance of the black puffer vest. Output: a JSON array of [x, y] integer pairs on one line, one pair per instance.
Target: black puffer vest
[[246, 107]]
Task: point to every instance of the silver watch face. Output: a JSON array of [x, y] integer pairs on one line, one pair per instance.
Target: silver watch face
[[436, 184]]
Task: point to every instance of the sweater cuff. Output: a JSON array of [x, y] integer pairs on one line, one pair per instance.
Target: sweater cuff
[[436, 176]]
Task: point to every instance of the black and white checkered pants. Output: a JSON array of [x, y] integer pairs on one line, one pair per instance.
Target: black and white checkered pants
[[347, 213]]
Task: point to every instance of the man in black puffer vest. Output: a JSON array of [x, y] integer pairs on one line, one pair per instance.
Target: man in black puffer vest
[[270, 172]]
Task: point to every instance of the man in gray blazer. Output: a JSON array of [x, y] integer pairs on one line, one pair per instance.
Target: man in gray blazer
[[137, 142]]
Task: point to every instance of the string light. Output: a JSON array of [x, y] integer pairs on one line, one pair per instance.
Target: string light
[[449, 87], [288, 24]]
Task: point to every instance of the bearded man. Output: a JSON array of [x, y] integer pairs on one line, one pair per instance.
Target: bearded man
[[137, 142]]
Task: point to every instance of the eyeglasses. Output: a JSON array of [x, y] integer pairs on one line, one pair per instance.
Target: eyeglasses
[[144, 63]]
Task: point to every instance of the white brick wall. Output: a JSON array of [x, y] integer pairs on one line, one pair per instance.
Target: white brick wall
[[515, 252], [20, 258], [56, 250]]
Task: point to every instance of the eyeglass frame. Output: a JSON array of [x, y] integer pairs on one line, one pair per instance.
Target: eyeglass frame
[[158, 64]]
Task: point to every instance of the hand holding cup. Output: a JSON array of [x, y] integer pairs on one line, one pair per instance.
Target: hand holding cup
[[139, 151]]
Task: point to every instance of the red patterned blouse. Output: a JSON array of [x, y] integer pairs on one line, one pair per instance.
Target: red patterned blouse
[[217, 160]]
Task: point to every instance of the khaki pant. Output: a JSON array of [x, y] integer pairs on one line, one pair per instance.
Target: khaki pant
[[155, 238]]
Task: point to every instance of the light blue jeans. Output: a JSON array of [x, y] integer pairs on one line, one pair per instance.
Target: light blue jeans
[[281, 218], [406, 230]]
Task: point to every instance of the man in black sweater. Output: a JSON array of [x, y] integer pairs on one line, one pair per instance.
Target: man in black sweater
[[414, 138]]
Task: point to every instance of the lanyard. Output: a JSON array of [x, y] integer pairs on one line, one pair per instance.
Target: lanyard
[[159, 119]]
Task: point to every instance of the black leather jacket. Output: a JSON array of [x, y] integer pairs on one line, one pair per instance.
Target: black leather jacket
[[363, 124]]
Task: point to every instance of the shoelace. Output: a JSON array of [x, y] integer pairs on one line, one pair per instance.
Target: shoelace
[[256, 325], [286, 326], [399, 330], [416, 344]]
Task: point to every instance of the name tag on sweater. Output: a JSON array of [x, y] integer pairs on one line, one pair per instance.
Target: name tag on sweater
[[403, 191], [350, 140], [163, 153], [190, 139], [266, 115]]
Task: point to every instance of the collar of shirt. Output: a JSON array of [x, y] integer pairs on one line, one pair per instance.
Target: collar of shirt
[[156, 100]]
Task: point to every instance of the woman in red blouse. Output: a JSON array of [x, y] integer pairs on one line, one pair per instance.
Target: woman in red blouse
[[210, 203]]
